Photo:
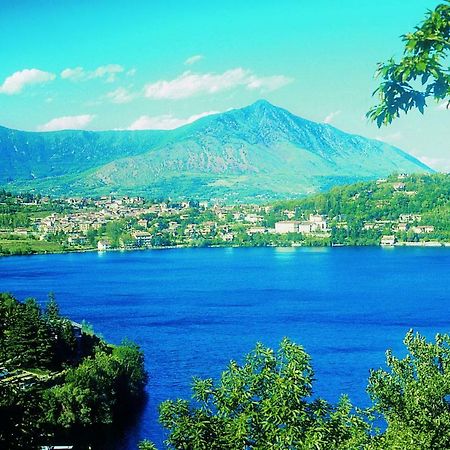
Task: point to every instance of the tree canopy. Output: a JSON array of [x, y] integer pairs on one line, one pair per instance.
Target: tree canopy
[[264, 403], [267, 403], [56, 380], [422, 73]]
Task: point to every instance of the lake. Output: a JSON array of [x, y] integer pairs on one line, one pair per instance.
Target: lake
[[192, 310]]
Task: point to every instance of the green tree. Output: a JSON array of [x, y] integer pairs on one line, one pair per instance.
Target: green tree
[[413, 395], [146, 445], [98, 389], [423, 71], [114, 230], [263, 404]]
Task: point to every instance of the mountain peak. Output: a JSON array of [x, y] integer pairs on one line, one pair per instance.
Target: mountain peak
[[261, 105], [262, 102], [253, 153]]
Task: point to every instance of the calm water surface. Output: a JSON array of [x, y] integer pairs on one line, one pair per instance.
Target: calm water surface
[[192, 310]]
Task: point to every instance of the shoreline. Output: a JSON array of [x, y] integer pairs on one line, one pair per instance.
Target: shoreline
[[429, 244]]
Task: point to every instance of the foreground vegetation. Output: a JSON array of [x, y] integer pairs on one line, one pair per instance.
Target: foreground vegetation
[[267, 403], [421, 74], [58, 380]]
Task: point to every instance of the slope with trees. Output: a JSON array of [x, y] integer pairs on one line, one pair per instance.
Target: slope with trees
[[58, 381]]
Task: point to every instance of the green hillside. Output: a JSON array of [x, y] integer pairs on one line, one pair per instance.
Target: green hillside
[[260, 152]]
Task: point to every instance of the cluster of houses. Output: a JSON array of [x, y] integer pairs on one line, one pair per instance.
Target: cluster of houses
[[315, 225], [176, 221]]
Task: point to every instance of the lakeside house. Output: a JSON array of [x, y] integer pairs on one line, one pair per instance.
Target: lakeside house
[[422, 229], [142, 239], [103, 245], [315, 224], [388, 241], [287, 226]]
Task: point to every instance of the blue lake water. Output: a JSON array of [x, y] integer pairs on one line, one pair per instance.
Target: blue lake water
[[192, 310]]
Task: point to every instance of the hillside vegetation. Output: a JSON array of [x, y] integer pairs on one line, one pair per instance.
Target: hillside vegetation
[[58, 380], [360, 213]]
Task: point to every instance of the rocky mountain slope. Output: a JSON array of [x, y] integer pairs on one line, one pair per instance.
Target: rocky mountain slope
[[254, 153]]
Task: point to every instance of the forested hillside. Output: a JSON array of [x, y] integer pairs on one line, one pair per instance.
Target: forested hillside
[[58, 379], [362, 212]]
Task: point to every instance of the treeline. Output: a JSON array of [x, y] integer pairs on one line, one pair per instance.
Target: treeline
[[268, 403], [356, 204], [57, 380], [379, 200]]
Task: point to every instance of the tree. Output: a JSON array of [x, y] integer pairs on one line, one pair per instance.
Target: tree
[[413, 395], [260, 405], [146, 445], [423, 71]]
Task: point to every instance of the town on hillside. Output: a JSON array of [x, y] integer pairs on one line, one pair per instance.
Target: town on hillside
[[399, 210]]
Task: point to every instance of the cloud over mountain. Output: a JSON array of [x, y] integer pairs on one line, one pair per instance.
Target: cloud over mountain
[[67, 123], [165, 121], [189, 84], [15, 83], [107, 72]]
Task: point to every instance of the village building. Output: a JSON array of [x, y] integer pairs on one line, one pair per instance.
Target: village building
[[422, 229], [143, 223], [410, 217], [287, 226], [387, 241], [142, 239], [399, 186], [103, 245], [256, 230]]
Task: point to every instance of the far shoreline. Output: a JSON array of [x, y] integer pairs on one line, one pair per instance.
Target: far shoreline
[[415, 245]]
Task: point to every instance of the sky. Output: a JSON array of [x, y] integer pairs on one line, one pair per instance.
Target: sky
[[159, 64]]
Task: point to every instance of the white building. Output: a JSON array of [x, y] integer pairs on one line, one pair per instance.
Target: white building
[[142, 238], [388, 241], [287, 226], [103, 245]]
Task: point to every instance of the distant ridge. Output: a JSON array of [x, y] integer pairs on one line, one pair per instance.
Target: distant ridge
[[254, 153]]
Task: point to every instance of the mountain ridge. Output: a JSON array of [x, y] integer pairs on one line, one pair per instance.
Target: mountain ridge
[[260, 152]]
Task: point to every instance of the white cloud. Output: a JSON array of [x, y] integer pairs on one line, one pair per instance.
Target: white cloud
[[268, 84], [331, 116], [120, 95], [74, 74], [189, 84], [193, 59], [165, 121], [67, 123], [18, 80], [444, 105], [107, 72]]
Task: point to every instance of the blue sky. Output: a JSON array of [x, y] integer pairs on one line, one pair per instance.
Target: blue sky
[[160, 64]]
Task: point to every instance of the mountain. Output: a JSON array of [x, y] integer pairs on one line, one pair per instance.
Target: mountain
[[254, 153]]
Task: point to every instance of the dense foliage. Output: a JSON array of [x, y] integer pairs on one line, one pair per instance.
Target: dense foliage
[[423, 71], [56, 379], [266, 403], [413, 395], [350, 207]]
